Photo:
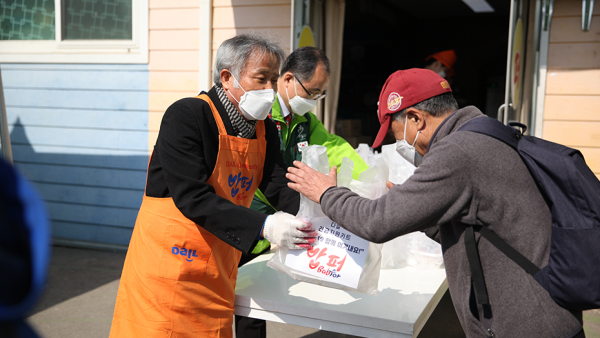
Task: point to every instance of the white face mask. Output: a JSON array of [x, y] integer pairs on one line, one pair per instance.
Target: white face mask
[[442, 74], [299, 104], [407, 150], [255, 104]]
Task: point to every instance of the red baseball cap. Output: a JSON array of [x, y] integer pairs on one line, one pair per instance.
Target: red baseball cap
[[404, 89]]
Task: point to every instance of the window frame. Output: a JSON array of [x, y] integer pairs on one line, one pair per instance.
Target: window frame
[[300, 8], [83, 51]]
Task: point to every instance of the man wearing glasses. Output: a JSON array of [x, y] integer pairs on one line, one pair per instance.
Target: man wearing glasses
[[303, 82]]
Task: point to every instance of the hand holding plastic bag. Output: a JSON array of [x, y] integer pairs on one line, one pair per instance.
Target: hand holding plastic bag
[[289, 232], [337, 252]]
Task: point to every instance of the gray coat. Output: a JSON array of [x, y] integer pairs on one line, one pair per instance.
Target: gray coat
[[469, 178]]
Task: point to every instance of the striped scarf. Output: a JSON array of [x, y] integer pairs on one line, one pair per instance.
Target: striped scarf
[[241, 127]]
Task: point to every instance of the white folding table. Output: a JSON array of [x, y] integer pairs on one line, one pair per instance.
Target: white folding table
[[406, 299]]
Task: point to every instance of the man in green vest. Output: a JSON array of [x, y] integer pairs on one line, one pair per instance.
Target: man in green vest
[[303, 81]]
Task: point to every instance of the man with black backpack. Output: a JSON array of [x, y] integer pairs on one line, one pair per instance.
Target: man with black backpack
[[465, 181]]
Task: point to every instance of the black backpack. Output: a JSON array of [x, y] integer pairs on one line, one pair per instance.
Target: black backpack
[[572, 192]]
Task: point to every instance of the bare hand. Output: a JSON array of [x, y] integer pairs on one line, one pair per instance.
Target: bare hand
[[310, 182], [389, 184]]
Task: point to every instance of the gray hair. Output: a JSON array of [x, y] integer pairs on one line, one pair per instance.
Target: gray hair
[[233, 54], [436, 106]]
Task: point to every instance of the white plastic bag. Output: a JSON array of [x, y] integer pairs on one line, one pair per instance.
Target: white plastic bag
[[394, 253], [400, 169], [367, 154], [354, 264], [423, 252], [315, 157], [414, 249], [371, 182]]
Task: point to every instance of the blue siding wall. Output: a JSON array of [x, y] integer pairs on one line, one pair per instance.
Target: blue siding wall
[[80, 133]]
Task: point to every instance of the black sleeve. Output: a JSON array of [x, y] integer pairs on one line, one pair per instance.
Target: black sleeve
[[274, 183], [185, 141]]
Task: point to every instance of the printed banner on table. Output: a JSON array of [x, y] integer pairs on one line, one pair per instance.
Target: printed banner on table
[[338, 255]]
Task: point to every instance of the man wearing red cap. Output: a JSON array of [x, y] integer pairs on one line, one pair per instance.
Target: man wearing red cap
[[463, 178], [442, 63]]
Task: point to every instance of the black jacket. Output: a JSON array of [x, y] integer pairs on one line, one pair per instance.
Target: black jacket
[[184, 157]]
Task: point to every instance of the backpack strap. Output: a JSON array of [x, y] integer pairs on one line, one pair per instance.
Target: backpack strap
[[496, 129], [481, 294], [484, 308], [510, 136], [505, 248]]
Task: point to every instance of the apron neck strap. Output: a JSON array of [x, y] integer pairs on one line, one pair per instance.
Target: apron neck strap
[[217, 116], [260, 130]]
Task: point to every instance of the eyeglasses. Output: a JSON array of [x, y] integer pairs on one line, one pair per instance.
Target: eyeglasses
[[310, 96]]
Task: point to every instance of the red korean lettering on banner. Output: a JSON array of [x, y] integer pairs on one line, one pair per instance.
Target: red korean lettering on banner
[[333, 262], [315, 252]]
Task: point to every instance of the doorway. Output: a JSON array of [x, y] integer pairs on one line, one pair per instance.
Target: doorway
[[381, 37]]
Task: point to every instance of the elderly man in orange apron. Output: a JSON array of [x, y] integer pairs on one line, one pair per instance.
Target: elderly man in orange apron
[[212, 153]]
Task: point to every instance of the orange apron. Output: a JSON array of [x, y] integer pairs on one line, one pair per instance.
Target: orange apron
[[179, 279]]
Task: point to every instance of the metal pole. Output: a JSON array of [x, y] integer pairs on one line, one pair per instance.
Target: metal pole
[[586, 20], [508, 89], [4, 133]]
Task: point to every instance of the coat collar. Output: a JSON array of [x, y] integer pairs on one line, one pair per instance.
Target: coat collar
[[453, 122]]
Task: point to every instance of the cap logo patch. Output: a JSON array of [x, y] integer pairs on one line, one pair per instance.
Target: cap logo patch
[[445, 85], [394, 101]]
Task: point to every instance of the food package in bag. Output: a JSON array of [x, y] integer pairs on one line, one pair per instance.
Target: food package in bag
[[339, 259], [394, 253], [423, 252], [415, 250]]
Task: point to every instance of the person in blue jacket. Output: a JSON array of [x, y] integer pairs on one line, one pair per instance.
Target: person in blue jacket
[[24, 252]]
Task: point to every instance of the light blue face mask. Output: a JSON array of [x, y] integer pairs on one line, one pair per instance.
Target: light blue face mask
[[408, 151]]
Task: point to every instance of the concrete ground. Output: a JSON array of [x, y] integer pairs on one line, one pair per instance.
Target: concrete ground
[[82, 285], [80, 297]]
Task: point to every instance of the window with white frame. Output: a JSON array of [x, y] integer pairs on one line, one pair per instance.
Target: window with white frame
[[79, 31]]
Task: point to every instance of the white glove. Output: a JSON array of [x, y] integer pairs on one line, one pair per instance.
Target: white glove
[[287, 231]]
